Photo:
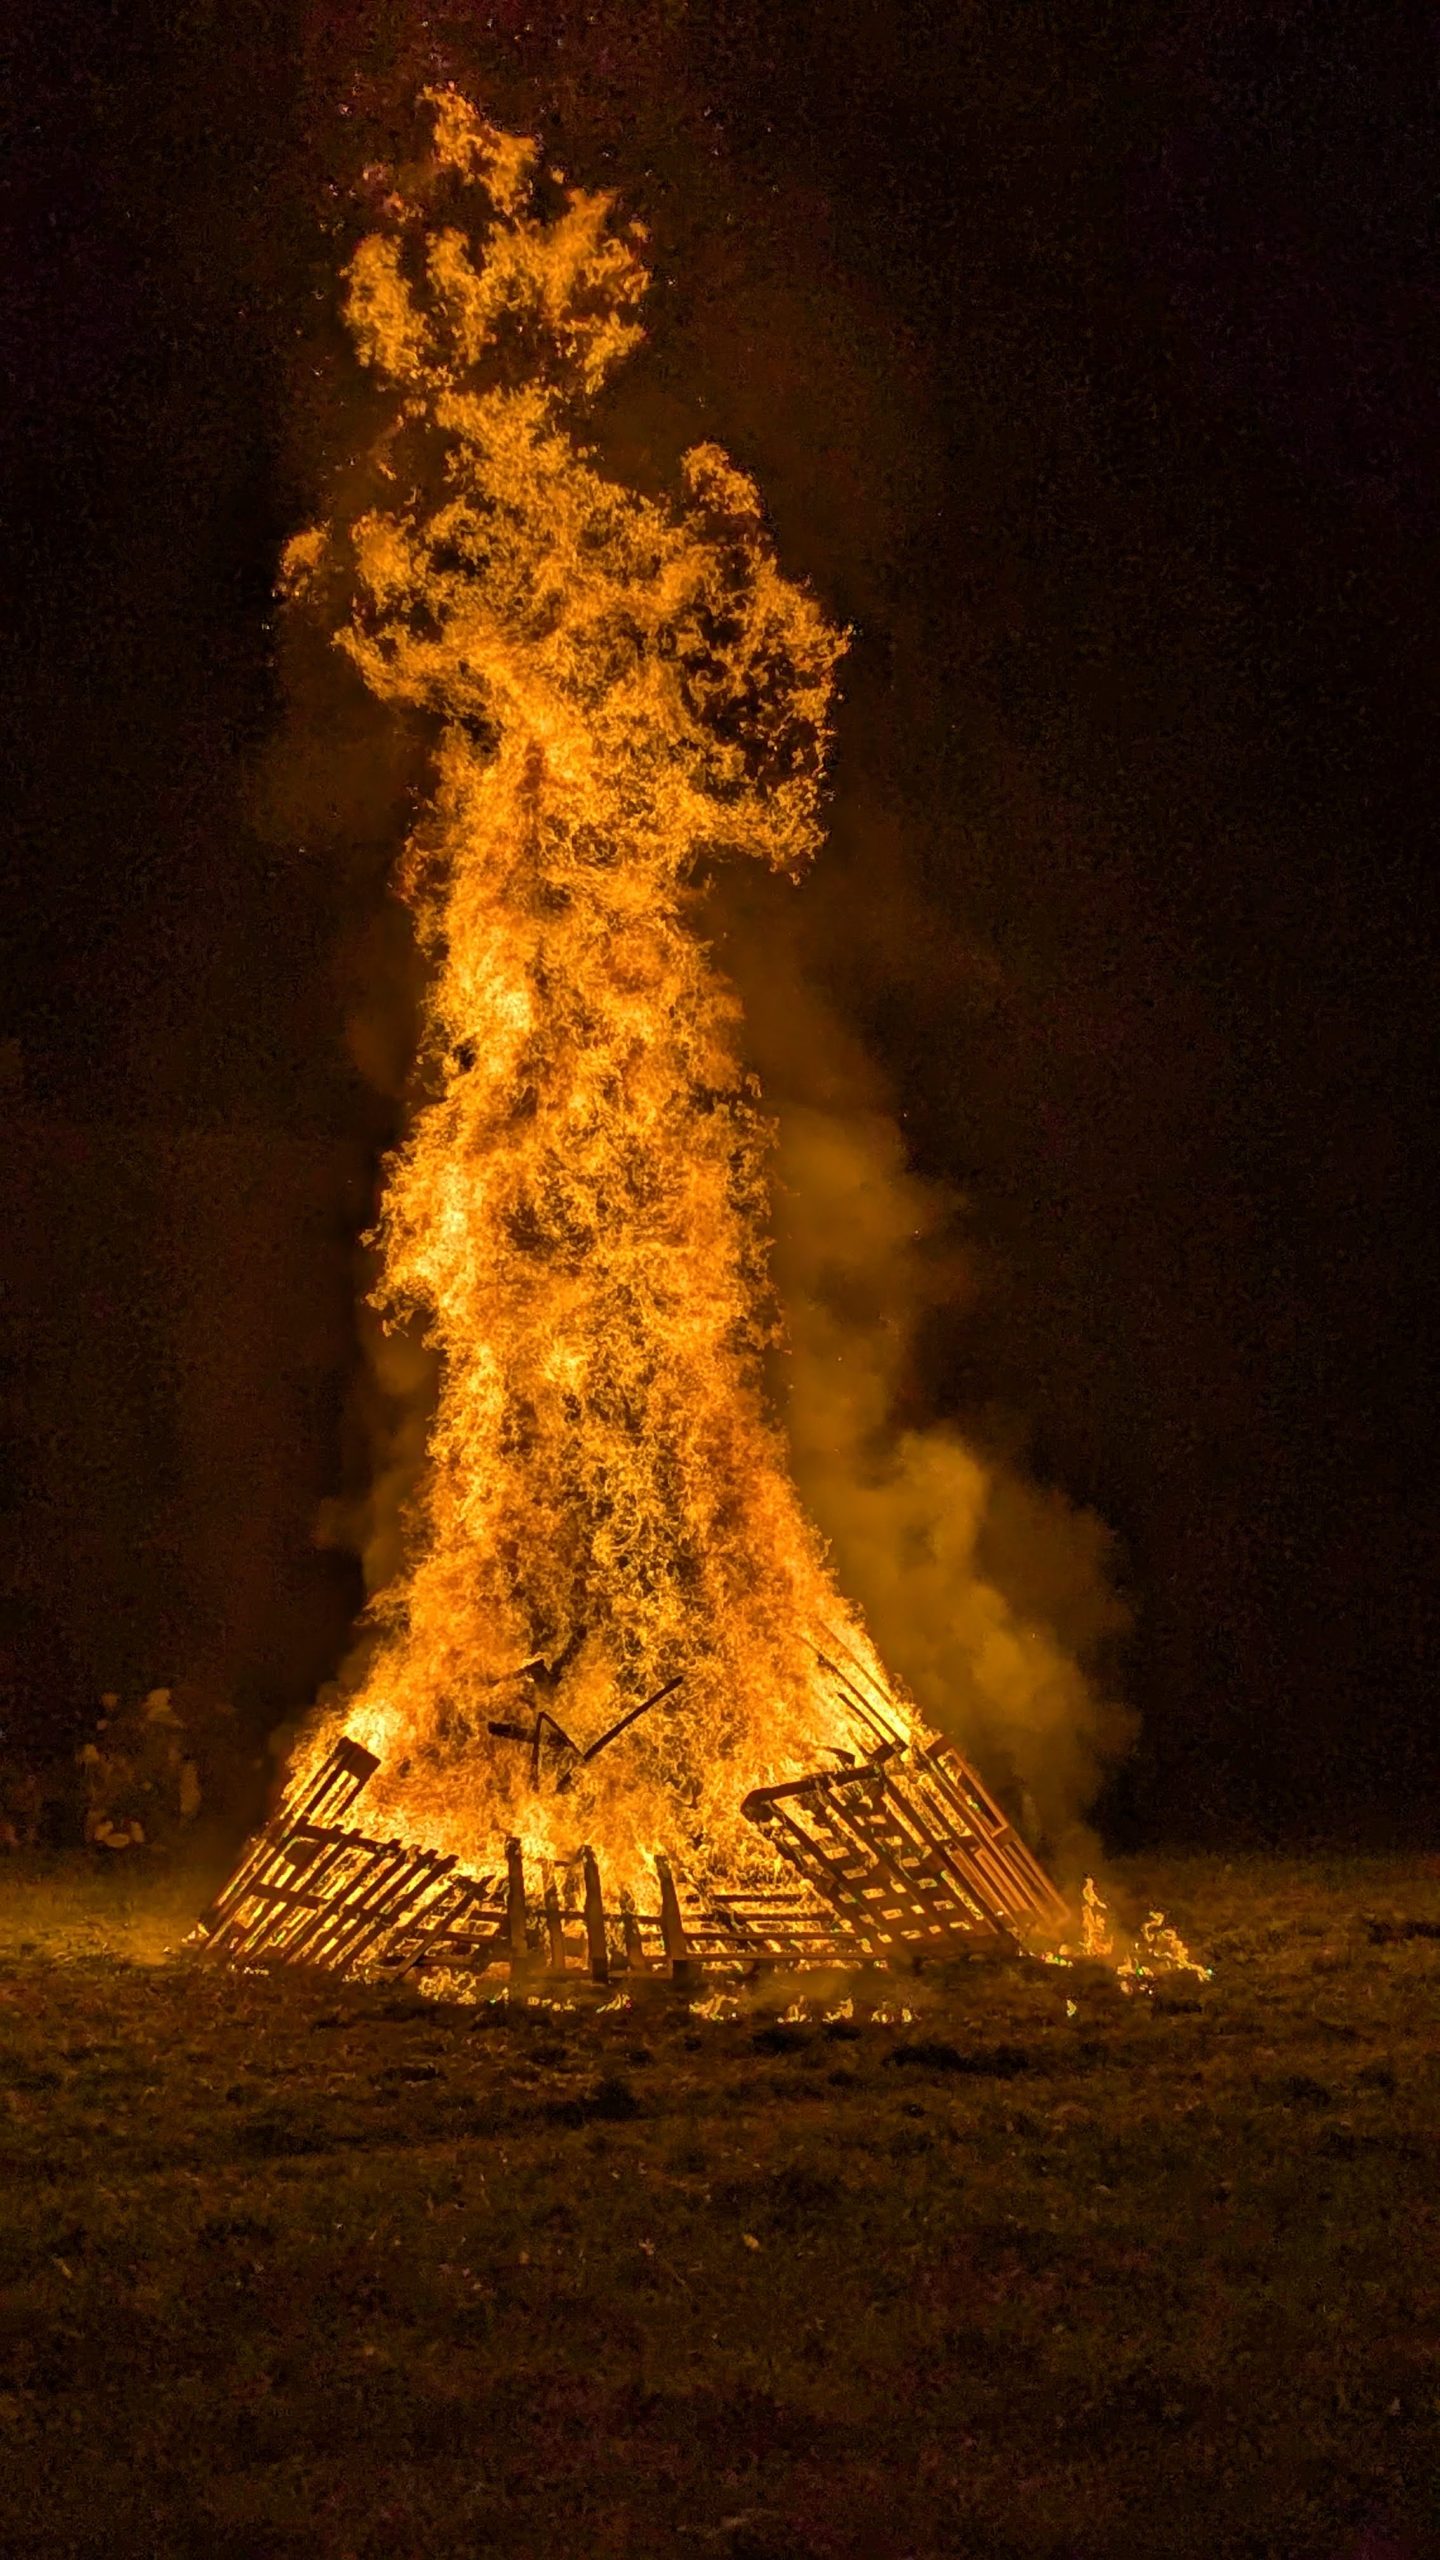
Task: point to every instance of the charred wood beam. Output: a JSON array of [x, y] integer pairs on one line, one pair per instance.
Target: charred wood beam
[[634, 1944], [596, 1941], [672, 1926], [554, 1924], [515, 1934], [631, 1717]]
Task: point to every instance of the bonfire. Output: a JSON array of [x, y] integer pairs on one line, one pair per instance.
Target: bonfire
[[614, 1710]]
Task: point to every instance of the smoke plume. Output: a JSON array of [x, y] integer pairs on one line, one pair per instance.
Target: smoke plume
[[990, 1595]]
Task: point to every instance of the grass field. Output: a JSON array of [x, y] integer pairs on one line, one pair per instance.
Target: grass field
[[294, 2268]]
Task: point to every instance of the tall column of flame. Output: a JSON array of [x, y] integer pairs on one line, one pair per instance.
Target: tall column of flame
[[621, 691]]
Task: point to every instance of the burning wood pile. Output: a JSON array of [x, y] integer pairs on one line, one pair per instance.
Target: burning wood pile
[[593, 1731], [900, 1859]]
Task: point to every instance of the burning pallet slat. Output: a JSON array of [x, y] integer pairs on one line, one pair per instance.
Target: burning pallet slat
[[770, 1929]]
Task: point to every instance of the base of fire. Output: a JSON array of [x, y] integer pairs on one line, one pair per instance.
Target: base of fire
[[900, 1858]]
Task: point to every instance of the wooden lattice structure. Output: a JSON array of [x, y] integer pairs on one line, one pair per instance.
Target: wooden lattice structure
[[910, 1852], [900, 1858]]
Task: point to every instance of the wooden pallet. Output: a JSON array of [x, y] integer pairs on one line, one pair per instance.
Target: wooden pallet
[[903, 1857], [911, 1853], [315, 1891]]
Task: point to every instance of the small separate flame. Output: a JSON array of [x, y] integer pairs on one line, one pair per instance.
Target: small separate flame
[[1159, 1950], [1138, 1963]]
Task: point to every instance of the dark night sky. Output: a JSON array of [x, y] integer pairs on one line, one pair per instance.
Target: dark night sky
[[1086, 357]]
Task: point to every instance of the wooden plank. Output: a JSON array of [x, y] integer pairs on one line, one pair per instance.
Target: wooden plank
[[672, 1927], [516, 1935], [595, 1938], [997, 1862], [554, 1924], [635, 1955], [1026, 1877], [465, 1931]]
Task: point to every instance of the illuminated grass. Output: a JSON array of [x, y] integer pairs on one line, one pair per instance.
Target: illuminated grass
[[289, 2265]]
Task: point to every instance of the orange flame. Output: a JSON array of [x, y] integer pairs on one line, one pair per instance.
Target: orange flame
[[622, 691]]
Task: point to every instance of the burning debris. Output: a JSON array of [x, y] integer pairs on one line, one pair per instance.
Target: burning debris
[[616, 1711], [1138, 1962]]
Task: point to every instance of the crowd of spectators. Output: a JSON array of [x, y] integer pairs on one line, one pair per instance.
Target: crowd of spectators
[[144, 1771]]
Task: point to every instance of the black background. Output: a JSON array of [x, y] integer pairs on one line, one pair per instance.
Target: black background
[[1085, 355]]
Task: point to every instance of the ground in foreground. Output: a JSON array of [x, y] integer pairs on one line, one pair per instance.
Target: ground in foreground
[[295, 2268]]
